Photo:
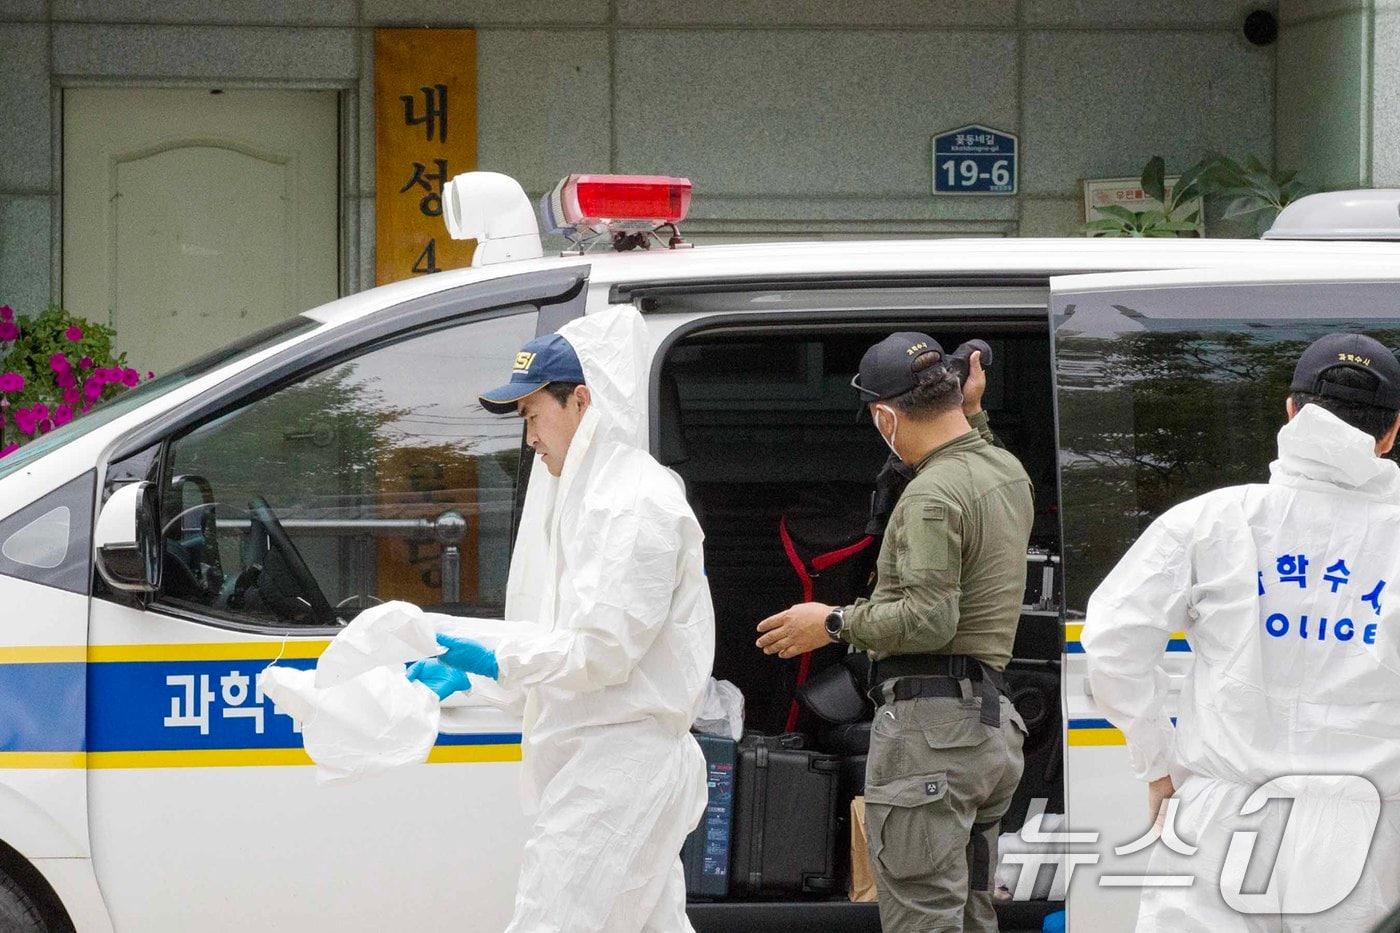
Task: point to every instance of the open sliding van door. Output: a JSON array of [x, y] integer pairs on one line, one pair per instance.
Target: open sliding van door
[[1168, 385]]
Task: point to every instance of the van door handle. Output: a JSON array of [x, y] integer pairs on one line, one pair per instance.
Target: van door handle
[[321, 435]]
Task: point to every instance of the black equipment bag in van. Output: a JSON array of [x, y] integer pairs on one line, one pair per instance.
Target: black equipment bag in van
[[824, 539], [837, 694], [785, 827]]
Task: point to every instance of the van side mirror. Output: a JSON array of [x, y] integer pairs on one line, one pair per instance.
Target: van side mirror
[[126, 541]]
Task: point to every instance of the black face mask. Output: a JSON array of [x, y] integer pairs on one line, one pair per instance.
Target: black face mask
[[889, 486]]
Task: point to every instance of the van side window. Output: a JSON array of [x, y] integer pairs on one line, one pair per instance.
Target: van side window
[[49, 541], [377, 478], [1157, 408]]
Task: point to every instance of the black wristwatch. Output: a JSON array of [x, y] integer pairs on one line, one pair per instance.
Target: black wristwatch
[[836, 624]]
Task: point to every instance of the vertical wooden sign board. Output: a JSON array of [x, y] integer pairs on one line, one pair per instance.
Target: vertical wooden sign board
[[425, 134]]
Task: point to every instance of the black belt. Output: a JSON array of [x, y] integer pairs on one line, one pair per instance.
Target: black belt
[[938, 675], [957, 666]]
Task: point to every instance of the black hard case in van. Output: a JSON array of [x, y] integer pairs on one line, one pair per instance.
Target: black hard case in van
[[785, 828]]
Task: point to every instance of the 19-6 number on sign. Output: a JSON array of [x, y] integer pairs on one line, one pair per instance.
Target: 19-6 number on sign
[[970, 173]]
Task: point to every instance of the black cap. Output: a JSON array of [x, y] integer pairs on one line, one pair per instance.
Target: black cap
[[887, 369], [1349, 351]]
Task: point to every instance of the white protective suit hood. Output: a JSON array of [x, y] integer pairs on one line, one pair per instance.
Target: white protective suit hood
[[613, 350], [1289, 597], [1317, 450]]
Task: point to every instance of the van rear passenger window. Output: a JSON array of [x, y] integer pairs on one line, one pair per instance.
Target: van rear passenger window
[[1167, 394]]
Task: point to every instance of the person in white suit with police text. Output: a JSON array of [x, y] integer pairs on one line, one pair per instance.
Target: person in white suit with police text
[[1289, 596]]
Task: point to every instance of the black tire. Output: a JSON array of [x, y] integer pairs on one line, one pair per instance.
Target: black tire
[[19, 913]]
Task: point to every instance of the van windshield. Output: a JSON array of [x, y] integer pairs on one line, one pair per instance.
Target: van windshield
[[154, 389]]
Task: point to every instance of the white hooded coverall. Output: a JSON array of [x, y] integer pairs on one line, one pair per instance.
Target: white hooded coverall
[[1289, 596], [614, 651]]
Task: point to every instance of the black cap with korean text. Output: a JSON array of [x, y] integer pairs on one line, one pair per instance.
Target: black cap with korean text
[[1356, 352]]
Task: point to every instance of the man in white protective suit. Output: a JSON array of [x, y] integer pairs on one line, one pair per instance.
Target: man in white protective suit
[[615, 646], [1289, 595]]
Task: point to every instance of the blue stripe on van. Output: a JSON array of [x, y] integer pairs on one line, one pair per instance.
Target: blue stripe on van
[[1097, 723], [43, 707], [127, 704]]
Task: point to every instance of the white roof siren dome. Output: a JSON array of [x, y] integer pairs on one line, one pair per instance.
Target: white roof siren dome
[[1372, 214]]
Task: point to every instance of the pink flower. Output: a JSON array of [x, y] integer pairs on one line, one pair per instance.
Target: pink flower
[[131, 378], [66, 379], [92, 391], [11, 382], [62, 415], [40, 410], [45, 426], [59, 363], [74, 334], [150, 375], [8, 331], [72, 396], [6, 451], [25, 420], [7, 313], [85, 363]]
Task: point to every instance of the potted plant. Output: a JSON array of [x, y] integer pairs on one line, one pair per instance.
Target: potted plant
[[1169, 221], [1253, 190], [54, 367]]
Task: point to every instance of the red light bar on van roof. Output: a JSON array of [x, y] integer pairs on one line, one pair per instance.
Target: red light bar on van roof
[[615, 203]]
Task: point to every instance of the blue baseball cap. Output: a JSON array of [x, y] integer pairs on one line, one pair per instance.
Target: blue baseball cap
[[541, 361]]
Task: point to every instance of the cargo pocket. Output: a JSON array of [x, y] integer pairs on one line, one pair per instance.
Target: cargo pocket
[[899, 815], [950, 723]]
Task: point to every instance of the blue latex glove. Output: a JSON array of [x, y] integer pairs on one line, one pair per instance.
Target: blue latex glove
[[442, 679], [468, 656]]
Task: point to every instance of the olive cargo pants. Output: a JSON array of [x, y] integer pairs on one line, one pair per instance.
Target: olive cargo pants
[[938, 782]]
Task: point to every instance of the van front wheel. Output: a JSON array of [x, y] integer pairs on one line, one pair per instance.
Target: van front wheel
[[19, 911]]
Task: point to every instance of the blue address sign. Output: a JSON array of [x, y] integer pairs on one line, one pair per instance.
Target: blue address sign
[[975, 159]]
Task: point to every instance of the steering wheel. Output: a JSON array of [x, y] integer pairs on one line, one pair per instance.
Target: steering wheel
[[306, 590]]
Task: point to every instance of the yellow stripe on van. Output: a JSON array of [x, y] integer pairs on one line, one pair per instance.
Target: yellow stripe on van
[[229, 758], [1073, 631], [43, 654], [1108, 736], [457, 754], [199, 758], [208, 651], [43, 760], [265, 757], [191, 651]]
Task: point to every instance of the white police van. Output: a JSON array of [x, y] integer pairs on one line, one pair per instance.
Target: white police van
[[339, 459]]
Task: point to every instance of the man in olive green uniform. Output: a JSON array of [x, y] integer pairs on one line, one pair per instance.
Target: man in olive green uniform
[[945, 748]]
